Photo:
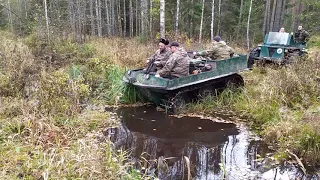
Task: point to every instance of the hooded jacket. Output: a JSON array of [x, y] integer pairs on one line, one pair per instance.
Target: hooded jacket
[[220, 50], [176, 66]]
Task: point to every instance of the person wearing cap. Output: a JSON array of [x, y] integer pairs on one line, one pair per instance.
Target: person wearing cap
[[219, 50], [177, 65], [159, 59]]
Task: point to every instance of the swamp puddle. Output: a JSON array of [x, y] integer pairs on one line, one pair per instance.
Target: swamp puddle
[[158, 144]]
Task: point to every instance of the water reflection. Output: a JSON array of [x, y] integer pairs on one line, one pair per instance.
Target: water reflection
[[158, 144]]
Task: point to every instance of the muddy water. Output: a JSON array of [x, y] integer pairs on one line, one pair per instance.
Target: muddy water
[[161, 146]]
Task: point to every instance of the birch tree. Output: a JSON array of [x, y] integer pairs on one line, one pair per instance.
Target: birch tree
[[98, 17], [177, 19], [151, 17], [162, 19], [219, 20], [47, 19], [248, 25], [201, 22], [212, 20]]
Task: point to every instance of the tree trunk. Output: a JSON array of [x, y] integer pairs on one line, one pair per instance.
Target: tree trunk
[[162, 19], [26, 8], [177, 19], [119, 18], [151, 18], [131, 19], [283, 12], [292, 3], [124, 19], [192, 19], [143, 17], [47, 19], [212, 20], [71, 16], [93, 32], [248, 25], [137, 20], [239, 20], [108, 18], [201, 22], [266, 19], [219, 20], [112, 18], [273, 15], [98, 16], [278, 13], [10, 16]]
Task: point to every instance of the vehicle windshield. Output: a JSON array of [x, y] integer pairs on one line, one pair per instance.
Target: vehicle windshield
[[278, 38]]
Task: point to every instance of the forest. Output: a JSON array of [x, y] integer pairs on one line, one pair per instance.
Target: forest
[[62, 64], [232, 19]]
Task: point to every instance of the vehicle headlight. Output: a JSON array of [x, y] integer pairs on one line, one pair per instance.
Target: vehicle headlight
[[279, 50], [286, 50], [129, 72]]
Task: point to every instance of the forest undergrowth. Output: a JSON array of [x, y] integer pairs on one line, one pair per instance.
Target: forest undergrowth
[[281, 103], [50, 130]]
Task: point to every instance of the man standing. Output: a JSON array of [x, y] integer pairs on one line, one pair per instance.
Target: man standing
[[177, 64], [159, 59], [219, 50], [301, 35]]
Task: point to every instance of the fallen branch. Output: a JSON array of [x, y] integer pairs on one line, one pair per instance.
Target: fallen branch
[[298, 160]]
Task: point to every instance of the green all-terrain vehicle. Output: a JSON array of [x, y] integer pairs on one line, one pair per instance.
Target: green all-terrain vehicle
[[175, 93], [279, 48]]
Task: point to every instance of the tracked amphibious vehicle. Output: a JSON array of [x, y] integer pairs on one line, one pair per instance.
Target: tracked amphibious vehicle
[[279, 48], [175, 93]]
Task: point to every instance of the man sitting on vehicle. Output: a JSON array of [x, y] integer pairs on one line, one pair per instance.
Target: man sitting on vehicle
[[159, 59], [301, 35], [219, 50], [177, 64]]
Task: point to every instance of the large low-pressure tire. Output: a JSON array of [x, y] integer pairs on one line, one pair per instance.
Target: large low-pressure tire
[[204, 92], [235, 82], [176, 103]]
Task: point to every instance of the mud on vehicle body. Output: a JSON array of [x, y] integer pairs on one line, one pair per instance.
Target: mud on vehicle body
[[278, 48]]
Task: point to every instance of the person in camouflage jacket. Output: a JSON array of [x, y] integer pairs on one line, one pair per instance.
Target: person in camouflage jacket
[[301, 35], [219, 50], [159, 59], [177, 64]]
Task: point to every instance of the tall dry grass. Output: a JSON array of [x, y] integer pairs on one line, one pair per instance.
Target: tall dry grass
[[283, 103], [45, 133]]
